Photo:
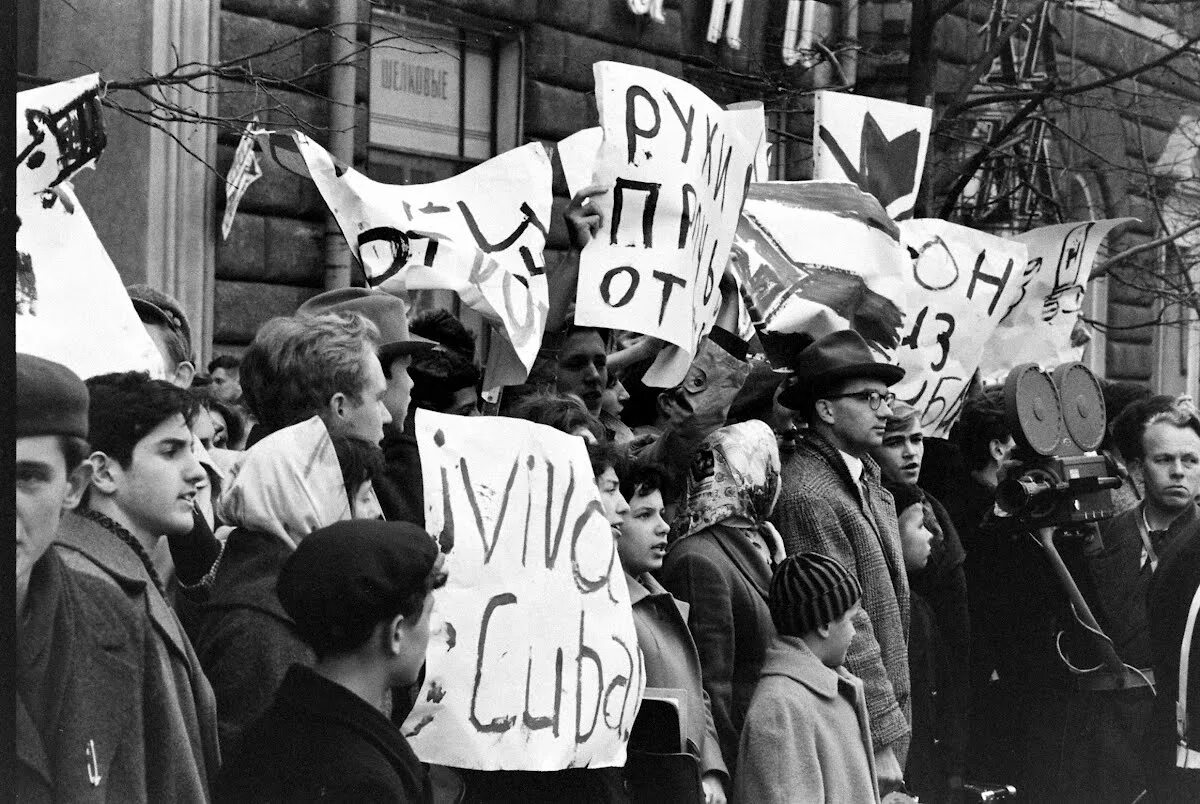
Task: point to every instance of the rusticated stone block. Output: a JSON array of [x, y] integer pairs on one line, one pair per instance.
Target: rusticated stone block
[[1128, 361], [294, 252], [242, 255], [277, 192], [553, 112], [612, 21], [240, 308]]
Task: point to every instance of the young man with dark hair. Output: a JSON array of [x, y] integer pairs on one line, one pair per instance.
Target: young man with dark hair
[[359, 594], [225, 371], [833, 502], [143, 486]]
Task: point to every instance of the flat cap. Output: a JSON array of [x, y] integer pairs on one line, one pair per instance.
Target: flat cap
[[163, 309], [387, 312], [346, 577], [51, 399]]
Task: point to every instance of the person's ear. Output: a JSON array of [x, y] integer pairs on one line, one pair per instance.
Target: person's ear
[[77, 483], [105, 472], [394, 634], [823, 630], [183, 375], [824, 410], [997, 449], [337, 405]]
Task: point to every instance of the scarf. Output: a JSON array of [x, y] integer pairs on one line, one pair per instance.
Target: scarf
[[733, 479]]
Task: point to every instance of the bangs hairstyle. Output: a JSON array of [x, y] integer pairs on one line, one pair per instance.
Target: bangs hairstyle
[[903, 417], [639, 481], [295, 365], [124, 407]]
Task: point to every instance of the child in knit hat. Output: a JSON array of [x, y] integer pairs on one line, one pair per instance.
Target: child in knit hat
[[807, 736]]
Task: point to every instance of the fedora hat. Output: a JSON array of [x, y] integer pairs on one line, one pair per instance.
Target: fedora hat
[[387, 312], [838, 356]]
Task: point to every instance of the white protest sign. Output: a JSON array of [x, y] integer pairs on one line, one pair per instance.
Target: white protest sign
[[877, 144], [534, 662], [820, 256], [480, 234], [578, 153], [59, 132], [1037, 326], [244, 171], [960, 284], [678, 165], [71, 305]]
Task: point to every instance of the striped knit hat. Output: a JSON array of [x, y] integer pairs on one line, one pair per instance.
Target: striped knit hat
[[810, 590]]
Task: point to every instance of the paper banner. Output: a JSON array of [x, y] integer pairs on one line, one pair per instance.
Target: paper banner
[[678, 166], [480, 234], [816, 257], [533, 663], [960, 283], [60, 131], [244, 171], [1037, 326], [877, 144], [71, 305], [578, 153]]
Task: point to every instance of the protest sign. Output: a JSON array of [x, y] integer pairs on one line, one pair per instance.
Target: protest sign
[[960, 284], [480, 234], [1037, 326], [877, 144], [578, 153], [244, 171], [70, 304], [678, 165], [533, 663], [817, 257]]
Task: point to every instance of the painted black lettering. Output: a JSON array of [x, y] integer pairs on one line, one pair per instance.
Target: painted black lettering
[[669, 282], [688, 204], [686, 124], [978, 275], [651, 190], [606, 285], [497, 725], [632, 130]]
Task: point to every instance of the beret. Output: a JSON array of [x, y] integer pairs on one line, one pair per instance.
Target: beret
[[162, 308], [387, 312], [344, 578], [51, 399]]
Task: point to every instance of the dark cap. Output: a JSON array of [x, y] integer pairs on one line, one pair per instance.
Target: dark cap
[[905, 495], [385, 311], [810, 590], [51, 399], [345, 578], [160, 308], [838, 356]]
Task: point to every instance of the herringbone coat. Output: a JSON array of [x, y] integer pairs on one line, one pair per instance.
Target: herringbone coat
[[820, 510]]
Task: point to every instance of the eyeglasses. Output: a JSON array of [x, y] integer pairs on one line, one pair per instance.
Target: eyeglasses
[[873, 398]]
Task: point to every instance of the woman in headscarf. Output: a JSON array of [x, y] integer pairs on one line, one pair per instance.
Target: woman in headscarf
[[720, 563]]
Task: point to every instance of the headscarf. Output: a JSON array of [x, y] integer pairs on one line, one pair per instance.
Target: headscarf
[[290, 484], [734, 476]]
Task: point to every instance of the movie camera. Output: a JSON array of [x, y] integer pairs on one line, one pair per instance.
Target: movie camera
[[1054, 477]]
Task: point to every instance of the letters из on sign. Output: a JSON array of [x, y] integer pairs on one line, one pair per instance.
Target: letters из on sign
[[960, 285], [1037, 326], [480, 234], [534, 662], [678, 166]]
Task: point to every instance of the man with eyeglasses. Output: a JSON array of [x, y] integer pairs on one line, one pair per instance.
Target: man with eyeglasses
[[832, 502]]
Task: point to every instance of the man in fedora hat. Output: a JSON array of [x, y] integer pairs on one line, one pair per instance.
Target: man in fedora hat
[[832, 502]]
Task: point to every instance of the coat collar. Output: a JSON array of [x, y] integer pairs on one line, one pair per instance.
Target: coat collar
[[833, 456], [792, 658], [751, 563], [647, 587]]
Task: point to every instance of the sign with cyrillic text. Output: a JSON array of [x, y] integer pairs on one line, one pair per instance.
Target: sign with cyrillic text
[[678, 165], [480, 234], [533, 663], [1038, 324]]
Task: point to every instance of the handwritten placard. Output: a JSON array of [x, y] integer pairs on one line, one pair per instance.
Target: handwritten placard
[[960, 284], [678, 165], [1037, 326], [534, 663], [480, 234]]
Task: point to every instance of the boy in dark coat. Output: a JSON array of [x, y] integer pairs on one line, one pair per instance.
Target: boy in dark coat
[[359, 594]]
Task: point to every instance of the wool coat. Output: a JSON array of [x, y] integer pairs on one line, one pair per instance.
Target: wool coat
[[725, 579], [80, 691], [320, 742], [807, 736], [180, 713], [820, 510]]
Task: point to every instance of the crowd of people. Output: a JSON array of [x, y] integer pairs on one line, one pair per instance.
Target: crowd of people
[[224, 580]]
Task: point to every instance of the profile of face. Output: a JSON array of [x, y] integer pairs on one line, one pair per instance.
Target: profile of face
[[178, 374], [916, 541], [854, 426], [398, 395], [45, 488], [643, 542], [156, 493], [466, 402], [612, 500], [364, 414], [838, 635], [220, 436], [227, 384], [613, 400], [899, 456], [204, 428], [582, 368], [1171, 466]]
